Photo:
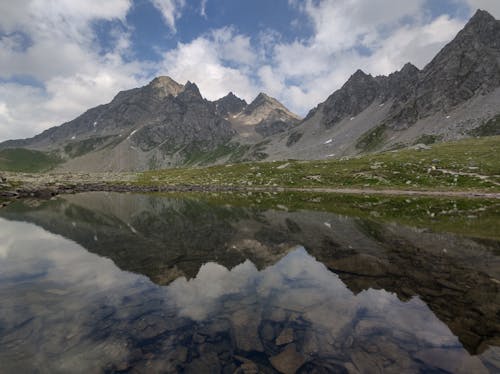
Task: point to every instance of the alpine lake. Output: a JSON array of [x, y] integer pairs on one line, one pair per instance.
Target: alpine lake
[[249, 283]]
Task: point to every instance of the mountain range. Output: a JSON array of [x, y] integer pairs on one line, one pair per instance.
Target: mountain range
[[166, 124]]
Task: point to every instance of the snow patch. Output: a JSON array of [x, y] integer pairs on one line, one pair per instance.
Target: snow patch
[[95, 124], [73, 137], [132, 133], [329, 141]]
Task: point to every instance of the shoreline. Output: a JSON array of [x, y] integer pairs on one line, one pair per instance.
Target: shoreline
[[44, 191]]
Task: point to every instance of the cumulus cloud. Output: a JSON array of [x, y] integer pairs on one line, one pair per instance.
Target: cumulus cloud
[[54, 44], [217, 62]]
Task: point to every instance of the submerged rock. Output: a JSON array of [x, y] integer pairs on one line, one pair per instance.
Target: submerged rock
[[288, 361]]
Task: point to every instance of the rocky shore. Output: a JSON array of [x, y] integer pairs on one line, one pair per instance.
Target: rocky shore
[[45, 186]]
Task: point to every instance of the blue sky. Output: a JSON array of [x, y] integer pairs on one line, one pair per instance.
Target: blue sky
[[61, 57]]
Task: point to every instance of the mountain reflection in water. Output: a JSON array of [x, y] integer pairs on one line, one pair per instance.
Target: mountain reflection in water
[[135, 283]]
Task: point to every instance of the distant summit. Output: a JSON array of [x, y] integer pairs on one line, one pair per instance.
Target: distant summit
[[230, 104]]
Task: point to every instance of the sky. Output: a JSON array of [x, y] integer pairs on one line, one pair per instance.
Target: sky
[[59, 58]]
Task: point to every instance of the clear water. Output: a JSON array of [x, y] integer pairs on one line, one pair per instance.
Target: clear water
[[104, 282]]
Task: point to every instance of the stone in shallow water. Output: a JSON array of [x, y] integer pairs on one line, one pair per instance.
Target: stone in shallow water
[[246, 330], [267, 332], [288, 361], [286, 337]]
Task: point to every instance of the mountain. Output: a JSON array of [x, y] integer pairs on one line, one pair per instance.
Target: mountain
[[162, 124], [166, 124], [456, 95]]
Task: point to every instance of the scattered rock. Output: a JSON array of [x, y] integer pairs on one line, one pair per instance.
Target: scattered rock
[[246, 331], [420, 147]]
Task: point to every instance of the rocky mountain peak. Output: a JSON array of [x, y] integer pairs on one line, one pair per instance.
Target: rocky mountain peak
[[481, 30], [230, 104], [409, 69], [166, 86], [481, 17], [191, 91], [264, 101], [467, 66]]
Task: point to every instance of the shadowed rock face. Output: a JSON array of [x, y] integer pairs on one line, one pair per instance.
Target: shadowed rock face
[[186, 120], [230, 104], [467, 66], [167, 238]]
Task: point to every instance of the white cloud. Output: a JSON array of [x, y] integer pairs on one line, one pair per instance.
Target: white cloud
[[53, 42], [216, 62], [170, 10], [203, 8]]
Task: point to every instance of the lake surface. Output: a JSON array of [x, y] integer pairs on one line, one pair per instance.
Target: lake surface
[[106, 282]]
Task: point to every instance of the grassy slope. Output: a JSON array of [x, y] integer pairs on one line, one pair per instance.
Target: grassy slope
[[25, 160], [467, 164]]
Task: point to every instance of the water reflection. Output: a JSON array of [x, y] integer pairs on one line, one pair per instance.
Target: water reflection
[[233, 290]]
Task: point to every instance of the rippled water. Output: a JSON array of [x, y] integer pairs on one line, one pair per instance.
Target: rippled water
[[134, 283]]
